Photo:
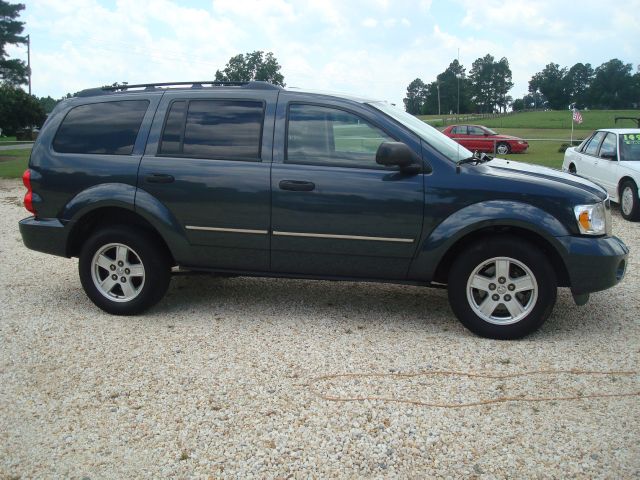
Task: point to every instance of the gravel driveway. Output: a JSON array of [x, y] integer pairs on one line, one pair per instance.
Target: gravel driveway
[[221, 380]]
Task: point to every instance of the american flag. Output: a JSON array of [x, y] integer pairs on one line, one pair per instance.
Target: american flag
[[577, 117]]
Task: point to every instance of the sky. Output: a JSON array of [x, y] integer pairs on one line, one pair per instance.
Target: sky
[[370, 48]]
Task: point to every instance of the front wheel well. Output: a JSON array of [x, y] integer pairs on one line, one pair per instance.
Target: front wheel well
[[108, 216], [485, 234]]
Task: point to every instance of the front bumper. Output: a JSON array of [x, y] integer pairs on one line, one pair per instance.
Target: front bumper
[[47, 235], [594, 264]]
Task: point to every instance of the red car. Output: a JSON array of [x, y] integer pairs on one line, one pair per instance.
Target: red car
[[483, 139]]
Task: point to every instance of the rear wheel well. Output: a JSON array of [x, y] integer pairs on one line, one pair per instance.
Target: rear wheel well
[[104, 217], [485, 234], [621, 182]]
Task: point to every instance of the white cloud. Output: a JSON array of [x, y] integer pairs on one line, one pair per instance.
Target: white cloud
[[370, 23], [361, 47]]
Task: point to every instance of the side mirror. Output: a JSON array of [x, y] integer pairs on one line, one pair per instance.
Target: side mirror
[[397, 154]]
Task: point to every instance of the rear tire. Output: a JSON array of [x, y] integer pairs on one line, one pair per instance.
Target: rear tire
[[629, 202], [503, 148], [502, 288], [124, 270]]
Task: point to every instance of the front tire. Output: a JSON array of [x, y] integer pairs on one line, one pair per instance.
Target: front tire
[[124, 270], [629, 203], [502, 288]]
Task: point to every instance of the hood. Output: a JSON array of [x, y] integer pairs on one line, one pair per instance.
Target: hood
[[546, 175]]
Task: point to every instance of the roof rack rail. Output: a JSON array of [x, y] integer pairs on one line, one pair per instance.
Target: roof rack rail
[[253, 84]]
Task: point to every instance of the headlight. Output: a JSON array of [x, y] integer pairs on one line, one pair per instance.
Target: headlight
[[592, 219]]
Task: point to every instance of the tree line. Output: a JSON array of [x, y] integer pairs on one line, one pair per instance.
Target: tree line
[[612, 85], [485, 89]]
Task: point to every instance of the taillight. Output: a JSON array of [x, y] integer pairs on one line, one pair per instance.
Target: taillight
[[28, 198]]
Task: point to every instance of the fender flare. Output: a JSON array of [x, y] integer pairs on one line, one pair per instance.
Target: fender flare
[[435, 244]]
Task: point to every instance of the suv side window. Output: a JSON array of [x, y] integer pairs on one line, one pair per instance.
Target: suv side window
[[328, 136], [101, 128], [592, 146], [216, 129]]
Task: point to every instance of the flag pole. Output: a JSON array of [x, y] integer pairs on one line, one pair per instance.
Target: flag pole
[[571, 129]]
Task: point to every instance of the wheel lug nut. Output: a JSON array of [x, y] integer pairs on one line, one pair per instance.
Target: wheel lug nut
[[112, 267], [492, 286], [123, 279], [511, 287], [495, 297], [127, 271], [502, 280], [120, 263], [507, 298], [114, 277]]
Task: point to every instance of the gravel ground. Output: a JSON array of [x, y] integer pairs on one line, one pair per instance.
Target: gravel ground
[[221, 380]]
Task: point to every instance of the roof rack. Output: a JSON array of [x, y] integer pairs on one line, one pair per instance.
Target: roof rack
[[253, 84]]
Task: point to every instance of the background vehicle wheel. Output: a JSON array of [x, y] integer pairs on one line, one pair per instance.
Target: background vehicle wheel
[[629, 202], [572, 169], [123, 270], [502, 288], [503, 148]]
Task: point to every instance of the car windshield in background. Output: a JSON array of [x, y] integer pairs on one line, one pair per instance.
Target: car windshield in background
[[445, 145], [490, 132], [630, 147]]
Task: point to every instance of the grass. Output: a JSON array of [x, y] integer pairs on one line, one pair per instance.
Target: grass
[[13, 163], [542, 152], [561, 119], [7, 139]]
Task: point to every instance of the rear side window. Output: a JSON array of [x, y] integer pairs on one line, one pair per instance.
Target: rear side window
[[101, 128], [459, 130], [217, 129], [592, 146]]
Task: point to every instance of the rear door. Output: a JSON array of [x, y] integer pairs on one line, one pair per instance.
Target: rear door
[[589, 160], [208, 162], [607, 171], [335, 211]]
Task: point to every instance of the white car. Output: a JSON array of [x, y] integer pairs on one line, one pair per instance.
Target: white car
[[611, 158]]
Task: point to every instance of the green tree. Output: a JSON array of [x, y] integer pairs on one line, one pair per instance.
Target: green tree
[[252, 66], [18, 109], [11, 70], [490, 83], [518, 105], [48, 103], [501, 84], [416, 96], [449, 81], [612, 85], [551, 83], [577, 82]]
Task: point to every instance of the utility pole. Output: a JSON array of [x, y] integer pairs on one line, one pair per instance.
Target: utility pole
[[438, 87], [458, 78], [29, 60]]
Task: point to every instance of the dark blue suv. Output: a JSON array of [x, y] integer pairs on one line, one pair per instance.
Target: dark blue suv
[[141, 181]]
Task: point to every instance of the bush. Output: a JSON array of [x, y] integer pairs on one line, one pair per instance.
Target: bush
[[19, 110]]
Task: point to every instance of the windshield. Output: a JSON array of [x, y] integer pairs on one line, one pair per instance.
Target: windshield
[[489, 131], [448, 147], [630, 147]]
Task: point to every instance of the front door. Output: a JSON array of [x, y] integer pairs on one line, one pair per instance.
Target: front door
[[335, 212]]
